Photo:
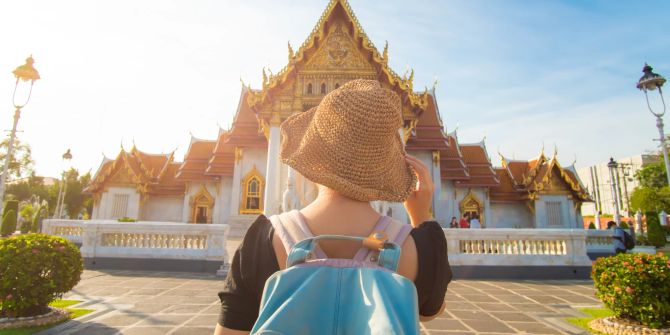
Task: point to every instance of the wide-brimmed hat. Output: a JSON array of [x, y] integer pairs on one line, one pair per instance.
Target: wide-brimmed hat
[[350, 143]]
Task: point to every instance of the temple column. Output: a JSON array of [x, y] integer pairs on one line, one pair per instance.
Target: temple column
[[236, 183], [272, 202]]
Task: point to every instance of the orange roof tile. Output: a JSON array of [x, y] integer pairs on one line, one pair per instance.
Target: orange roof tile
[[479, 167]]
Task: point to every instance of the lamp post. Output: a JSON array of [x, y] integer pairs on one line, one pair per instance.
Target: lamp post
[[58, 213], [649, 82], [24, 74], [613, 165]]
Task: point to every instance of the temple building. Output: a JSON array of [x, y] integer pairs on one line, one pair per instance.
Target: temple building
[[238, 175]]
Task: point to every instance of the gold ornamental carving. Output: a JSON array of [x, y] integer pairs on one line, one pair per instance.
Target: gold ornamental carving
[[338, 53]]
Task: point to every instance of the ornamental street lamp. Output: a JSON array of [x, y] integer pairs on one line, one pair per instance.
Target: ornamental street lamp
[[24, 74], [58, 213], [649, 82], [613, 165]]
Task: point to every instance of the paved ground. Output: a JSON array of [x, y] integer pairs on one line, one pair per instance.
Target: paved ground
[[183, 303]]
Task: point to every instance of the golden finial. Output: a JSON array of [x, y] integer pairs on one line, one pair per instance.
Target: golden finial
[[555, 150], [265, 78], [385, 55], [290, 52]]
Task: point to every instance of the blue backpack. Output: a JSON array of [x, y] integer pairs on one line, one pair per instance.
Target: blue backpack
[[363, 295]]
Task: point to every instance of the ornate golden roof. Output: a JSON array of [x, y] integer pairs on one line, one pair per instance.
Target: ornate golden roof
[[418, 101]]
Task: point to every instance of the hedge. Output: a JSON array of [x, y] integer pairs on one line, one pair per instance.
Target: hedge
[[35, 270], [635, 286]]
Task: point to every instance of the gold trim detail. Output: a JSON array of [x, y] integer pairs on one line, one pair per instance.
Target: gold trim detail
[[254, 176]]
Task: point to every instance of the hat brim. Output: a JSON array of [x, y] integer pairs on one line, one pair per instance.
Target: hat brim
[[389, 177]]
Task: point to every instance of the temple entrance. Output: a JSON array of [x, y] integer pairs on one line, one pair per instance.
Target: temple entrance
[[202, 204], [472, 206]]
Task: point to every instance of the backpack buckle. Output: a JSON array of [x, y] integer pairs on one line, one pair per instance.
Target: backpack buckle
[[376, 240]]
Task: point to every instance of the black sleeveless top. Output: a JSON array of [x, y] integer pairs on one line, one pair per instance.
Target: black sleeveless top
[[255, 261]]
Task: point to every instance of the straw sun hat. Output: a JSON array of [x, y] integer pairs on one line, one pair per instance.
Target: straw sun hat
[[350, 143]]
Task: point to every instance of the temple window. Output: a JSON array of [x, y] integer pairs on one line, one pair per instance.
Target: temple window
[[323, 88], [554, 213], [309, 88], [252, 188], [202, 205], [120, 206]]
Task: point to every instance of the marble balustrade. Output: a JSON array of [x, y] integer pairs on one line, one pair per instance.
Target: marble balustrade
[[517, 247], [153, 240]]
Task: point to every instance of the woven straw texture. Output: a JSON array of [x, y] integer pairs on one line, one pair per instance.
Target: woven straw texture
[[350, 143]]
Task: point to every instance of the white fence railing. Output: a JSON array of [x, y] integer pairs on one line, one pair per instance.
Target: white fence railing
[[517, 247], [499, 247], [154, 240], [599, 241]]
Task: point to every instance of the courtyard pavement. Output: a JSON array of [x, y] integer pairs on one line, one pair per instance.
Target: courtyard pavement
[[147, 303]]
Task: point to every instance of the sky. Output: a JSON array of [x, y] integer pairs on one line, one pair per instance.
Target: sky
[[521, 74]]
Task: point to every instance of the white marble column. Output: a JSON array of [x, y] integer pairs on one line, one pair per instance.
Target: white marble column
[[236, 183], [272, 202], [186, 207], [438, 203]]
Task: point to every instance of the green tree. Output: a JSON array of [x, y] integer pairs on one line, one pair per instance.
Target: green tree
[[75, 201], [28, 188], [652, 176], [655, 233], [21, 163]]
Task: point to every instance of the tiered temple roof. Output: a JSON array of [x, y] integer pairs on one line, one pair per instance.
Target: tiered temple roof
[[526, 180], [149, 173]]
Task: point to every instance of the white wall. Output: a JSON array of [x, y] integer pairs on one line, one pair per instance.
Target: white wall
[[510, 215], [224, 200], [107, 202], [162, 208]]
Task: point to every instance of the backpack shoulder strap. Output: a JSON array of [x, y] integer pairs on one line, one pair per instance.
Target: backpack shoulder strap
[[291, 228], [396, 232]]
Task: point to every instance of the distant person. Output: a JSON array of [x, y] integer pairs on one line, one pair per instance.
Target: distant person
[[465, 221], [474, 222], [619, 236], [453, 223]]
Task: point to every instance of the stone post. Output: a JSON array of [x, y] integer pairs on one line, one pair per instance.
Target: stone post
[[663, 216], [638, 221]]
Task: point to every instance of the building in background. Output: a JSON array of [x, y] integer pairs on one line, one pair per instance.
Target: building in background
[[597, 180], [237, 176]]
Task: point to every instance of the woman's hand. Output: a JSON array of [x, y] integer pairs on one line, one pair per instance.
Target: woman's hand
[[419, 202]]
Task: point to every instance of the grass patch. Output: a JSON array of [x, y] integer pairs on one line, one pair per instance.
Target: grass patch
[[64, 304], [594, 313]]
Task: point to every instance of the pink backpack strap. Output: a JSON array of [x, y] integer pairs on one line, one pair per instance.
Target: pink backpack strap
[[396, 232], [291, 228]]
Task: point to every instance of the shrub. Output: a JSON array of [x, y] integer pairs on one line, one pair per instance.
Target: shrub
[[641, 240], [624, 225], [36, 269], [126, 219], [25, 226], [8, 223], [655, 233], [666, 229], [592, 225], [635, 286], [10, 205]]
